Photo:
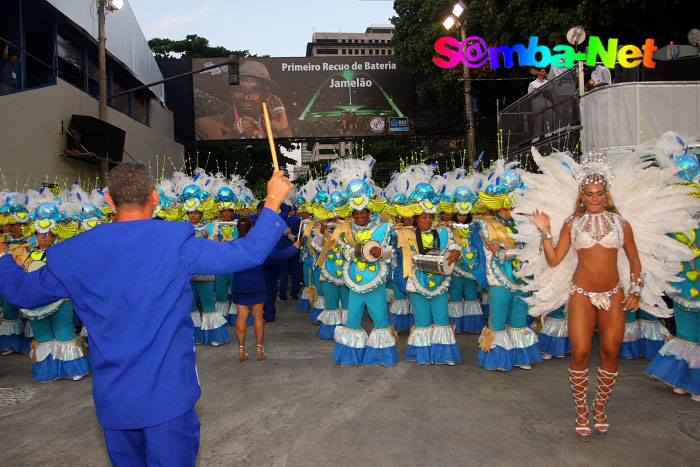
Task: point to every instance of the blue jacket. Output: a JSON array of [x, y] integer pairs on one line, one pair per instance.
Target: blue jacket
[[130, 285]]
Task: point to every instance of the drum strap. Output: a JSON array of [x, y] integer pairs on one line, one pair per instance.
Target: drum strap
[[419, 240]]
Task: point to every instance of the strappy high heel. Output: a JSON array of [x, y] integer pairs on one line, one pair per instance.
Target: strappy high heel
[[261, 352], [242, 354], [579, 385], [600, 421]]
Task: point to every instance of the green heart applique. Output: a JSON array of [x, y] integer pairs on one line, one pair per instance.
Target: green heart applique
[[692, 275]]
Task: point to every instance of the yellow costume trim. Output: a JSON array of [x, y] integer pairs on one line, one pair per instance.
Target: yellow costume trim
[[447, 207], [496, 202], [28, 229], [406, 238], [409, 210], [497, 233], [391, 210], [344, 211], [66, 230], [487, 337], [20, 252], [313, 295], [376, 206], [329, 241]]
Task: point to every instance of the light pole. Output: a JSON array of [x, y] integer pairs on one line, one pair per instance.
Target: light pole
[[102, 5], [458, 17]]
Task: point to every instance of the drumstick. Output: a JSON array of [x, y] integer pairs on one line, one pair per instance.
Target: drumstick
[[270, 138]]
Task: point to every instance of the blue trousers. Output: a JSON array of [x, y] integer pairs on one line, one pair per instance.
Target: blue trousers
[[463, 289], [507, 308], [376, 304], [172, 443], [290, 268], [335, 296], [430, 311]]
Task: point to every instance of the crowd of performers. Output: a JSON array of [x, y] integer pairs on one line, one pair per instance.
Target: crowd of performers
[[530, 261]]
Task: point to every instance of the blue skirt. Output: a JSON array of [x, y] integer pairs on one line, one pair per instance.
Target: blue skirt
[[249, 299]]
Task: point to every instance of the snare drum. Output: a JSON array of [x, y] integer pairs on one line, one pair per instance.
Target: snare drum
[[363, 251], [435, 262]]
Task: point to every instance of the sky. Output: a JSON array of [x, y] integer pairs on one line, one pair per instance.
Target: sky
[[280, 28]]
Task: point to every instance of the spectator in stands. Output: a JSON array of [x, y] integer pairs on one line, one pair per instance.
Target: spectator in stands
[[540, 103], [599, 77], [9, 70]]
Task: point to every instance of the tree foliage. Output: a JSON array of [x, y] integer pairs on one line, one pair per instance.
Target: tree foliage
[[191, 46]]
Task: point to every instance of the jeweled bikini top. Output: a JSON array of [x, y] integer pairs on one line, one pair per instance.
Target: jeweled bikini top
[[604, 229]]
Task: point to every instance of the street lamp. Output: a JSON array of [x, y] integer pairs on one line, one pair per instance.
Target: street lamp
[[458, 17], [102, 5]]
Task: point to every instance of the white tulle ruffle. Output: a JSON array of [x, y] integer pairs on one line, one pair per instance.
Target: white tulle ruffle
[[652, 330], [381, 339], [11, 327], [211, 321], [401, 307], [66, 351], [330, 317], [500, 339], [631, 332], [555, 327], [196, 319], [455, 309], [522, 338], [682, 350], [443, 335], [356, 339], [472, 308], [420, 337]]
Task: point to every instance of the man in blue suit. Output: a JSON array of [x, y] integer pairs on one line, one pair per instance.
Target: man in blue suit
[[130, 285]]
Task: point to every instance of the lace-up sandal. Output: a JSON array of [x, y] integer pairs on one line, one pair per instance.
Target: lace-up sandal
[[579, 385], [606, 380], [242, 354], [261, 352]]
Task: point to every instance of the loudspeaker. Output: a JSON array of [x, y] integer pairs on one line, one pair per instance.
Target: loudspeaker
[[96, 136]]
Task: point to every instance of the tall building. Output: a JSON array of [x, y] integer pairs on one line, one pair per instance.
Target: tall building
[[376, 40]]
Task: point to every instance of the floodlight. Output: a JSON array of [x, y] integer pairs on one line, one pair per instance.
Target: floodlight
[[118, 4], [459, 9], [449, 22]]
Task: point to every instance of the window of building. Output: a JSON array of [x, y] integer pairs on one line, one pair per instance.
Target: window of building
[[70, 62], [327, 51], [345, 51], [140, 107], [389, 52], [326, 41]]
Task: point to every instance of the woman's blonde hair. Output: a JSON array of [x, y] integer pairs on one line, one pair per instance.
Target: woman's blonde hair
[[580, 208]]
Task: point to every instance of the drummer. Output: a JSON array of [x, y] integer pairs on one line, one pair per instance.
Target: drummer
[[56, 351], [366, 255], [432, 340], [506, 341]]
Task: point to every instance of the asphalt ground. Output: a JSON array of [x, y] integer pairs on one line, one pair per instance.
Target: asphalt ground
[[297, 408]]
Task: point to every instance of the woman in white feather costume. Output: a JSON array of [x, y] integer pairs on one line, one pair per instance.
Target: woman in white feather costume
[[598, 283]]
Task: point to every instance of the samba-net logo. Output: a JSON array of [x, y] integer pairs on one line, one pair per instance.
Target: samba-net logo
[[474, 53]]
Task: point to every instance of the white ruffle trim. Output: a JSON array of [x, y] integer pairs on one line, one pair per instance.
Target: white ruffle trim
[[472, 308], [682, 350], [401, 307], [501, 339], [389, 295], [555, 327], [631, 332], [330, 317], [320, 303], [66, 351], [443, 335], [305, 294], [420, 337], [455, 309], [352, 338], [11, 327], [343, 316], [84, 332], [196, 319], [28, 333], [381, 339], [652, 330], [522, 338], [212, 321], [223, 308], [233, 310]]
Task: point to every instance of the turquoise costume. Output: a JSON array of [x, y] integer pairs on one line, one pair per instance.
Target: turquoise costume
[[366, 282], [464, 306], [506, 341], [677, 362]]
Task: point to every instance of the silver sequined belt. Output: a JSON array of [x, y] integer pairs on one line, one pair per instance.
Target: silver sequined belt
[[598, 299]]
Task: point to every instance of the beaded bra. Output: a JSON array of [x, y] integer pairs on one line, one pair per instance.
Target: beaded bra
[[604, 229]]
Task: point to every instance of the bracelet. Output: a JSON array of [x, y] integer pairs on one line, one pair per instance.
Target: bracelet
[[275, 198], [545, 236]]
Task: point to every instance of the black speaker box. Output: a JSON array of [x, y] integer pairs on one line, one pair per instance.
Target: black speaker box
[[96, 136]]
